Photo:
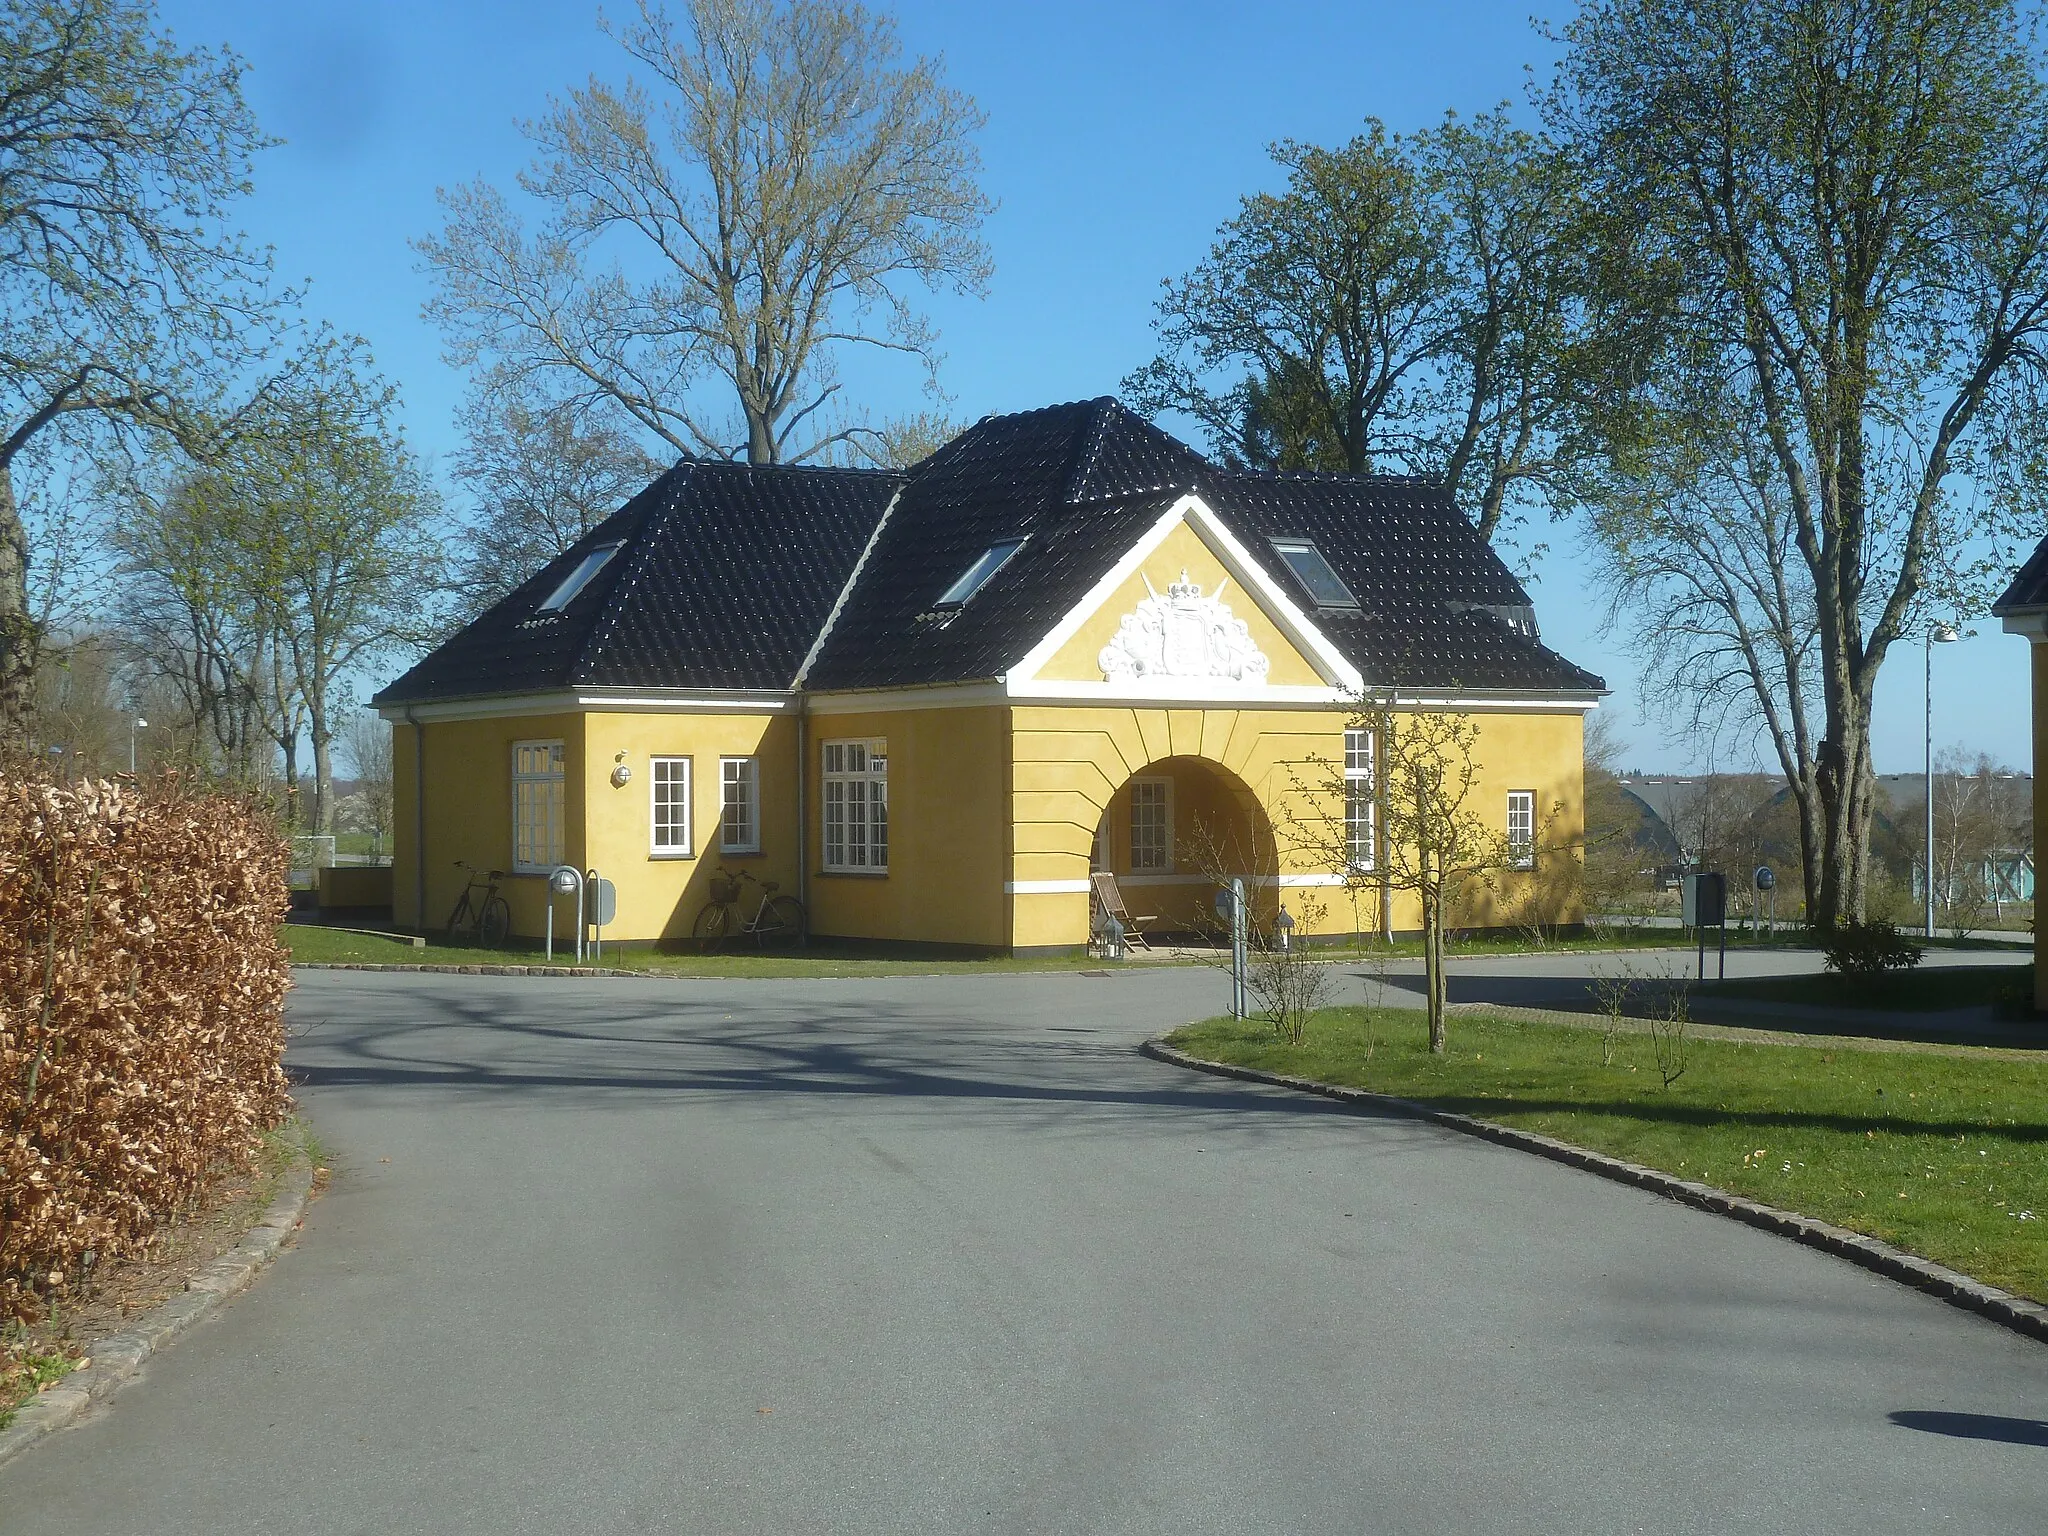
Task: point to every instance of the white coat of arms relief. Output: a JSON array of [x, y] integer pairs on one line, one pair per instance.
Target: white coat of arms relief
[[1182, 634]]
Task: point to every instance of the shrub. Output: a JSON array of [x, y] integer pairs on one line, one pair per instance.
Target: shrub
[[1867, 951], [142, 989]]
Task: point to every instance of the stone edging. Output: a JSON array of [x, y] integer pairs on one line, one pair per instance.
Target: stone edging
[[117, 1358], [2015, 1312]]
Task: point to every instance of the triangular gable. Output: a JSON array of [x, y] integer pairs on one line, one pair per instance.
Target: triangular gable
[[1186, 614]]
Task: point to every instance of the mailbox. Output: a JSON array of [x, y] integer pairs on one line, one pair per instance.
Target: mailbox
[[1705, 898], [604, 903]]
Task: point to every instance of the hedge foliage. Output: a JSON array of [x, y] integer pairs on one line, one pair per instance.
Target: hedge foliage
[[142, 988]]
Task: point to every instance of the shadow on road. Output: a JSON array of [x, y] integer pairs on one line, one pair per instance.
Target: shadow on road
[[1973, 1426]]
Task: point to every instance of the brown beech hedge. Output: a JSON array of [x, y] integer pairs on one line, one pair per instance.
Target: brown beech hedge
[[142, 990]]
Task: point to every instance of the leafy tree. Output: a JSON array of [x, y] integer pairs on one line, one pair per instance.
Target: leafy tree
[[331, 530], [1407, 304], [122, 294], [1291, 341], [781, 180], [1831, 218], [539, 477]]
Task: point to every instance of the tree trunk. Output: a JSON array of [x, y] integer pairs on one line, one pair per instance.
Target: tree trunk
[[323, 775], [1433, 965], [19, 639]]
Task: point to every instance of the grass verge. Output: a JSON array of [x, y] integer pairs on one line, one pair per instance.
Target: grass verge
[[2008, 988], [1943, 1152], [308, 942]]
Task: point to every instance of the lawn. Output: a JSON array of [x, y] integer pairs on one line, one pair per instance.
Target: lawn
[[308, 942], [1941, 1151], [2009, 988]]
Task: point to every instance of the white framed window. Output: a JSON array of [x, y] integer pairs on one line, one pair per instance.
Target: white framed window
[[1522, 828], [739, 805], [1151, 826], [1098, 850], [856, 775], [668, 789], [537, 807], [1360, 806]]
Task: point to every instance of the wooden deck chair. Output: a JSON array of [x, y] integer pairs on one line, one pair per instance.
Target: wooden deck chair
[[1112, 901]]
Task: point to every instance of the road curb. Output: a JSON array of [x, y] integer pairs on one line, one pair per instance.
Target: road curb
[[117, 1358], [2001, 1307]]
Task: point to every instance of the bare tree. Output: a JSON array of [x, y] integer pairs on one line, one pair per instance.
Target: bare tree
[[366, 748], [122, 291], [782, 177], [1411, 826], [539, 477]]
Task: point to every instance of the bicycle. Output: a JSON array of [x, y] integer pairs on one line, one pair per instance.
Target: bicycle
[[775, 917], [486, 923]]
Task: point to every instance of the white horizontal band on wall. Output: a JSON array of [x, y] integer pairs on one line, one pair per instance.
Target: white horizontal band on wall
[[1081, 887]]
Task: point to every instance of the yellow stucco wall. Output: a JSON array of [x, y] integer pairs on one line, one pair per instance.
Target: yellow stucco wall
[[2039, 653], [1182, 550], [660, 894], [1072, 763], [948, 834], [469, 814], [981, 798]]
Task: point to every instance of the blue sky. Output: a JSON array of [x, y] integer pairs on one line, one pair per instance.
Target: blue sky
[[1119, 136]]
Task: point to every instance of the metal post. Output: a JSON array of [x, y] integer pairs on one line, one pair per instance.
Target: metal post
[[1927, 783], [1237, 950], [597, 939]]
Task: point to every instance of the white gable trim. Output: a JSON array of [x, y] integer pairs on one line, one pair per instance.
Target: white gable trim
[[1340, 678]]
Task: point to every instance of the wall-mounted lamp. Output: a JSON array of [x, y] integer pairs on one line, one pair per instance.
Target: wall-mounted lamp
[[621, 774]]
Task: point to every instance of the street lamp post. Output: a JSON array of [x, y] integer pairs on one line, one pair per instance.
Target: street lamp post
[[1937, 634], [134, 725]]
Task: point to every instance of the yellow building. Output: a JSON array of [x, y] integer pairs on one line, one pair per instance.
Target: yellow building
[[2023, 610], [928, 704]]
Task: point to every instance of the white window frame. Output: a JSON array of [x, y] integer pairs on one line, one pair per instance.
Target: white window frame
[[1165, 788], [1361, 802], [1522, 850], [682, 841], [551, 820], [744, 772], [851, 848]]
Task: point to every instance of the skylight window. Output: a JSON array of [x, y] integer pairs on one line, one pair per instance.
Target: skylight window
[[977, 575], [581, 577], [1314, 573]]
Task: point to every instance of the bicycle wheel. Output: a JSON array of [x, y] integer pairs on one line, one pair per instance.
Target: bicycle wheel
[[462, 915], [781, 921], [711, 923], [495, 926]]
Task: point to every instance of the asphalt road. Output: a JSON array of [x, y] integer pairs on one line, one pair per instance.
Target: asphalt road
[[947, 1256]]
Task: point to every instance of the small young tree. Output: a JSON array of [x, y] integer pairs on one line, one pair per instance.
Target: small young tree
[[1410, 827]]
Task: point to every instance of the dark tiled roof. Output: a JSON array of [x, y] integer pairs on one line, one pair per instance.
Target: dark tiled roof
[[2029, 588], [1079, 483], [725, 576], [728, 573]]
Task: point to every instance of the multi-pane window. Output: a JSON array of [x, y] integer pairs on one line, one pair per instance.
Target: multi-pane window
[[669, 784], [857, 806], [537, 786], [739, 801], [1358, 798], [1151, 825], [1522, 828]]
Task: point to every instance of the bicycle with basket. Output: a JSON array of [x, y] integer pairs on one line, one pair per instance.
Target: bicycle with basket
[[776, 918]]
